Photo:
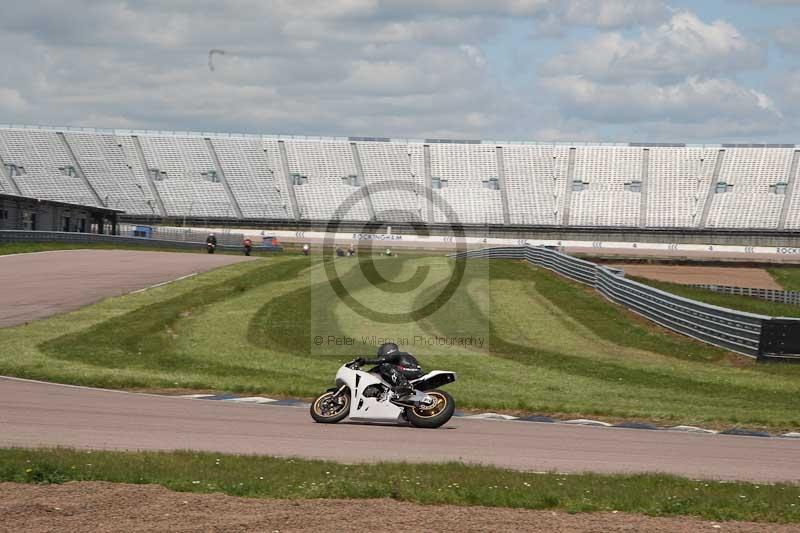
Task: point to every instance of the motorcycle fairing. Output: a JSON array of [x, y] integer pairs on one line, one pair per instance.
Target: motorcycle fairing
[[433, 380], [364, 408]]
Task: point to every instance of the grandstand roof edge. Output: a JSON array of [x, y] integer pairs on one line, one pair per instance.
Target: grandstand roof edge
[[62, 203], [224, 135]]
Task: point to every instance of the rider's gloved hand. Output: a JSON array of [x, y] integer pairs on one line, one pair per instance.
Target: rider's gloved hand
[[360, 361]]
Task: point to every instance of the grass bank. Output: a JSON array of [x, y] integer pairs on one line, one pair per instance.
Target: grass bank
[[453, 483], [549, 346]]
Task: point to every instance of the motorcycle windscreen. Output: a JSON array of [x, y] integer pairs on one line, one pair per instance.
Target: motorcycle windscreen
[[434, 382]]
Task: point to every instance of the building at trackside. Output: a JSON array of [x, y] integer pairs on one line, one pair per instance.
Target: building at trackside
[[33, 214]]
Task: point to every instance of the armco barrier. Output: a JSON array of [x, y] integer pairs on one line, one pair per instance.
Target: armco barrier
[[87, 238], [759, 336]]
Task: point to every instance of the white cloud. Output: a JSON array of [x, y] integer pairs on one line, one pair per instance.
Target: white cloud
[[474, 54], [416, 68], [298, 70], [691, 101], [789, 3], [615, 13], [593, 13], [683, 46], [677, 77], [607, 14]]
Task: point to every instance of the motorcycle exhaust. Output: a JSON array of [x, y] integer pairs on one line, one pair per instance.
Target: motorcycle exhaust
[[419, 400]]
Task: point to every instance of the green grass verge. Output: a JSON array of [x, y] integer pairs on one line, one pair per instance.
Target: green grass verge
[[452, 483], [551, 346], [741, 303], [787, 277], [615, 324]]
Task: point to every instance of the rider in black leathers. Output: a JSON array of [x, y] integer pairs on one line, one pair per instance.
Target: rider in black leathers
[[395, 367], [211, 243]]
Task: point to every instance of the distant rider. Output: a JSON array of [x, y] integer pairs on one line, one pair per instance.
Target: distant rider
[[211, 243], [248, 246], [396, 368]]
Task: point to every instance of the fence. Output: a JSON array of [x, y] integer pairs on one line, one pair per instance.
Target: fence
[[758, 336], [772, 295], [87, 238], [182, 235]]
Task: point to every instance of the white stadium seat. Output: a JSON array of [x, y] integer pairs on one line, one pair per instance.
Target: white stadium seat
[[471, 182]]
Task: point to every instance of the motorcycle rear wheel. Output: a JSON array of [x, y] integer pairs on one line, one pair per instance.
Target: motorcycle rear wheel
[[434, 416], [327, 408]]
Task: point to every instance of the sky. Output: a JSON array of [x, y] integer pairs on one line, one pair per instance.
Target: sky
[[707, 71]]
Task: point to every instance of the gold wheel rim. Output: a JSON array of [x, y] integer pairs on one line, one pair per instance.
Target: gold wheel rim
[[441, 405], [318, 405]]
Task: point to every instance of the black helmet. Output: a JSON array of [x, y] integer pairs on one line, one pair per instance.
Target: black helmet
[[387, 348]]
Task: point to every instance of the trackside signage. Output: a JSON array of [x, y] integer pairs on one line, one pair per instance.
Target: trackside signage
[[369, 236], [439, 240], [422, 240]]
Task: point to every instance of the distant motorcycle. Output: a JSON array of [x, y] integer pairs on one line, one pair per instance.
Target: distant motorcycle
[[210, 247], [248, 247], [365, 396]]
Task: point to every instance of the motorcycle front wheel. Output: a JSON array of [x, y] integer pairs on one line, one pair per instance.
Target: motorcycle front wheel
[[329, 408], [435, 415]]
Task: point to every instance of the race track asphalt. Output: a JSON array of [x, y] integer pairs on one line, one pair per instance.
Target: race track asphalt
[[35, 414], [41, 284]]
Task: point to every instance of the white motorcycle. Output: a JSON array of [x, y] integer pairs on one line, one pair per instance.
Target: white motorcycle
[[364, 396]]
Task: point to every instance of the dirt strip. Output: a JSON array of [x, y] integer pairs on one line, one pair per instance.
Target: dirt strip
[[107, 507], [43, 284], [756, 278], [685, 255]]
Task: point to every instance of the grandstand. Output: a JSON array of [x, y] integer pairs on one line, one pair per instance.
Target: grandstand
[[229, 177]]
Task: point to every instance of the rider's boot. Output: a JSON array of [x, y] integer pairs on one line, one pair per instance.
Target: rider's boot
[[403, 393]]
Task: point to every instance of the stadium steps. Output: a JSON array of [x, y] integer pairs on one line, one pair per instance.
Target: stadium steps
[[643, 188], [568, 187], [62, 138], [288, 175], [153, 189], [790, 182], [712, 189], [501, 182], [221, 173], [426, 157], [363, 181]]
